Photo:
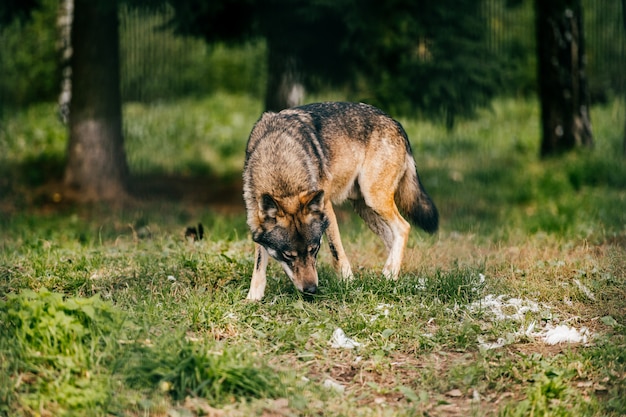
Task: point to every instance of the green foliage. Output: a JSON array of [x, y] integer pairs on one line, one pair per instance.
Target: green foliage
[[32, 149], [440, 60], [512, 39], [45, 325], [208, 136], [15, 9], [609, 356], [430, 57], [605, 31], [158, 64], [458, 285], [182, 368], [175, 324], [59, 344], [28, 58], [550, 394], [68, 348]]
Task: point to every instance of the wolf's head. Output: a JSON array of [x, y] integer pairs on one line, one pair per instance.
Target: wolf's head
[[291, 230]]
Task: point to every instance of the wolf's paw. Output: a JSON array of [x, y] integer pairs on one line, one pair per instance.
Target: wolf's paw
[[346, 272], [254, 296], [390, 274]]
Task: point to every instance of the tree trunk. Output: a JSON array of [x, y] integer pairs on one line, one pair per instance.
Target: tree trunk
[[96, 165], [64, 24], [624, 144], [563, 91], [284, 80], [624, 22]]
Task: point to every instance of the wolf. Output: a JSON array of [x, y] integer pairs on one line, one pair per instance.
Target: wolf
[[301, 161]]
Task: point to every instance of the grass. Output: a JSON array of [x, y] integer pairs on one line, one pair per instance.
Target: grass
[[114, 312]]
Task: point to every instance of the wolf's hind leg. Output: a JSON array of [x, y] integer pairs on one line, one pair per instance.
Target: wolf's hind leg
[[340, 260], [375, 222], [400, 230], [386, 165], [259, 278], [389, 225]]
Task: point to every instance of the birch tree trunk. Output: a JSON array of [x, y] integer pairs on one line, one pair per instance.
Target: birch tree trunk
[[64, 47], [624, 22]]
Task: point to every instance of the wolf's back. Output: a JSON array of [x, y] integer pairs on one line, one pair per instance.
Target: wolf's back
[[292, 151]]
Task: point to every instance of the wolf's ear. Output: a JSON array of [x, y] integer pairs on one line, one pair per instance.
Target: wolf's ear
[[268, 206], [313, 202]]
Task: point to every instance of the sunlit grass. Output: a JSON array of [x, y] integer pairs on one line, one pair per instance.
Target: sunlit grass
[[171, 334], [190, 137]]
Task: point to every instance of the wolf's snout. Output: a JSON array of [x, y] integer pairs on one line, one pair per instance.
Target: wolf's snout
[[310, 289]]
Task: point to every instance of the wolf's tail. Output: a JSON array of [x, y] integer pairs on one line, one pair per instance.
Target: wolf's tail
[[413, 201]]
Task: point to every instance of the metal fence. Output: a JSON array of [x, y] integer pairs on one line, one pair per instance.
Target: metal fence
[[512, 32], [157, 63], [605, 32]]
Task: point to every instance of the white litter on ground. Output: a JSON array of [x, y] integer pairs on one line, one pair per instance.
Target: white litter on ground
[[506, 309], [334, 385], [564, 334], [516, 309], [230, 316], [384, 309], [491, 345], [481, 283], [585, 290], [340, 340]]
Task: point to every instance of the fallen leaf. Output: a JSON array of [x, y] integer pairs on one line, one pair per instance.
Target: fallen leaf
[[194, 405], [600, 387], [281, 403], [504, 396], [329, 383], [454, 393]]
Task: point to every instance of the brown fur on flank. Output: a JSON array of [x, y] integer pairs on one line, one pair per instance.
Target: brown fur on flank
[[301, 161]]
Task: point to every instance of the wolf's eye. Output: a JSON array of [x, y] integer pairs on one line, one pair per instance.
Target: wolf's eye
[[289, 255]]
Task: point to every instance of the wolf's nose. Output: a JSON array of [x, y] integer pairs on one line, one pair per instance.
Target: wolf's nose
[[310, 289]]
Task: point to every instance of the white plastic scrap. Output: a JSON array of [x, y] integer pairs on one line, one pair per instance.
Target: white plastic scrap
[[334, 385], [481, 283], [564, 334], [492, 345], [384, 308], [512, 308], [585, 290], [516, 309], [340, 340]]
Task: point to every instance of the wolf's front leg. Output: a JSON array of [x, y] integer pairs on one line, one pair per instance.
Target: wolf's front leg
[[259, 278], [340, 260]]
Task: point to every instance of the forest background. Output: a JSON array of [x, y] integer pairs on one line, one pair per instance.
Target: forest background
[[113, 309]]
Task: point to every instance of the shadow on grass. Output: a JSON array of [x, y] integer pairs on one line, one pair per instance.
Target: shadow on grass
[[483, 194], [551, 195], [38, 184], [221, 194]]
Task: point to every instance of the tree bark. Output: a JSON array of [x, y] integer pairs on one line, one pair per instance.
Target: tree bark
[[284, 80], [563, 90], [64, 24], [624, 22], [624, 143], [96, 161]]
